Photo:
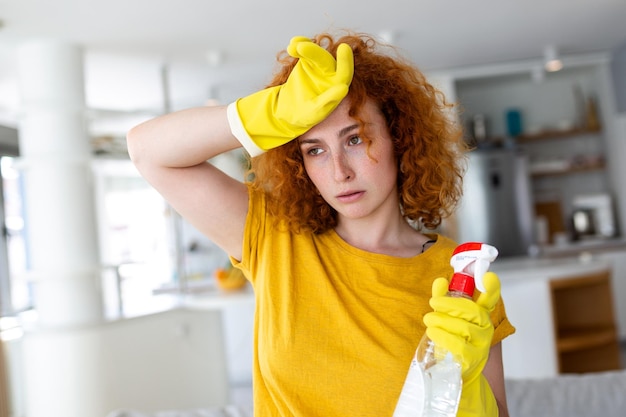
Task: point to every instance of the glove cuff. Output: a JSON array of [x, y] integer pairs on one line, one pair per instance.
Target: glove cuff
[[239, 131], [478, 400]]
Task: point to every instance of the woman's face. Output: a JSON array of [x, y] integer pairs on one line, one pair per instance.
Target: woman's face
[[357, 178]]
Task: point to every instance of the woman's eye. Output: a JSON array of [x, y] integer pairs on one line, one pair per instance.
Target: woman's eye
[[314, 151], [355, 140]]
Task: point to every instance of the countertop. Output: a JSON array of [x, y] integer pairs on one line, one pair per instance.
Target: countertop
[[210, 299], [527, 268], [574, 248], [555, 261]]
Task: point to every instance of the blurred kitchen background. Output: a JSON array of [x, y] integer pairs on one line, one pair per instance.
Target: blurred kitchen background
[[109, 299]]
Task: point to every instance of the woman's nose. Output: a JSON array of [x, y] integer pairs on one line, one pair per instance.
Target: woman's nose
[[342, 167]]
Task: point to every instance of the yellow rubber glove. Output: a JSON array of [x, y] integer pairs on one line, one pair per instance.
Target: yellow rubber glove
[[315, 87], [464, 327]]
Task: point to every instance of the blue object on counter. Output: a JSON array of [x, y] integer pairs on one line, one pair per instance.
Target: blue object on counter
[[514, 122]]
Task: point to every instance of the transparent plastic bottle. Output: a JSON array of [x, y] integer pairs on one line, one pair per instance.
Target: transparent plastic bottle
[[434, 382], [441, 370]]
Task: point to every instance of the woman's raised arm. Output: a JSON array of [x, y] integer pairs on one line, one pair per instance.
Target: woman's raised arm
[[171, 153]]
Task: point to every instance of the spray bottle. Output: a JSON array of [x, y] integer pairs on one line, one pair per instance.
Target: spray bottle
[[433, 385]]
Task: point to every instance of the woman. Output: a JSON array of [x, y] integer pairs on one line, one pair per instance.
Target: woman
[[353, 155]]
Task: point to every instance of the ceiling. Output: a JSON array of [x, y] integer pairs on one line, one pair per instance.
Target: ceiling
[[241, 37]]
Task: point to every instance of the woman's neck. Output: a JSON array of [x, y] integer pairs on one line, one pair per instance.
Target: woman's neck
[[394, 236]]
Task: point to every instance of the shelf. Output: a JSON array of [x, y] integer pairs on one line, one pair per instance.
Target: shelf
[[573, 165], [596, 359], [585, 327], [575, 340], [555, 134], [596, 166]]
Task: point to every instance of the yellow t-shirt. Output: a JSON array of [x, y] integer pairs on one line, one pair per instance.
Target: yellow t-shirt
[[335, 326]]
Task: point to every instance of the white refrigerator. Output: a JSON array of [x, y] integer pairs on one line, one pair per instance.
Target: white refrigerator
[[497, 204]]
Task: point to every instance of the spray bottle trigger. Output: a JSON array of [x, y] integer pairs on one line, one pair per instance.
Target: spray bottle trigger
[[480, 268]]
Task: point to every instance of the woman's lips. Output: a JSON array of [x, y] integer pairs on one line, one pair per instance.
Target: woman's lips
[[350, 196]]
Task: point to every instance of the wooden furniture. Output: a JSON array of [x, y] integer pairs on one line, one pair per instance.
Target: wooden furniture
[[562, 310], [584, 323], [4, 385]]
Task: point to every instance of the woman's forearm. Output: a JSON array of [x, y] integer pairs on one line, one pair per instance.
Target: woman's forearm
[[181, 139]]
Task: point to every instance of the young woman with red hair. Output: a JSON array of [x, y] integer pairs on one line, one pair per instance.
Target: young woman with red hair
[[355, 160]]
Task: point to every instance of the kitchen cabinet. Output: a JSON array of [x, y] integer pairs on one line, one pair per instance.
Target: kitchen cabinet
[[563, 313], [237, 323], [566, 147], [611, 251], [617, 259], [584, 323]]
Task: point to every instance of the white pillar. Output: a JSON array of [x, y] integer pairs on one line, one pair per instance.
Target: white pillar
[[62, 358], [55, 165]]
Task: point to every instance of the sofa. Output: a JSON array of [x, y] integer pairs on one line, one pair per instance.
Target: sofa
[[570, 395]]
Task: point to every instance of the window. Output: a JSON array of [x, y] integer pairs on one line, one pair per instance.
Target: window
[[15, 290], [146, 248]]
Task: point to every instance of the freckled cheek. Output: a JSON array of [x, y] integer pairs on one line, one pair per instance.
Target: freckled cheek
[[317, 174], [385, 165]]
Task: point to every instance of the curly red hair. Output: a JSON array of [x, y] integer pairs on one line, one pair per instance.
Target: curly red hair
[[428, 144]]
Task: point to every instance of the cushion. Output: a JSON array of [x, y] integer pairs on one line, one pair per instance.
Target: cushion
[[569, 395]]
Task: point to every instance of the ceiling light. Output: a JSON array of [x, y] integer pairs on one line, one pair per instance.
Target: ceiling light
[[387, 36], [551, 62]]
